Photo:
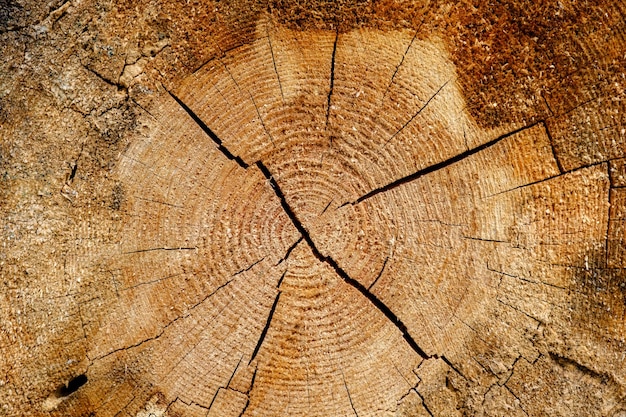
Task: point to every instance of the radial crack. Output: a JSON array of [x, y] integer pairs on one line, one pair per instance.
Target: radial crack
[[380, 305], [379, 274], [332, 81], [241, 271], [289, 250], [161, 248], [401, 62], [419, 394], [561, 174], [345, 384], [417, 113], [440, 165], [551, 141], [269, 39], [209, 133], [261, 120], [266, 328], [164, 328], [454, 368]]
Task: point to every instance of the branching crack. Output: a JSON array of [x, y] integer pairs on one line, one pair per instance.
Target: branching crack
[[210, 133], [549, 178], [245, 407], [232, 375], [382, 307], [440, 165]]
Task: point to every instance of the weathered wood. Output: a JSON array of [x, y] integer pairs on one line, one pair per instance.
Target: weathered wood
[[313, 209]]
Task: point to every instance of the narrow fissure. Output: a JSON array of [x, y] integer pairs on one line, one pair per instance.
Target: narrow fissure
[[607, 236], [382, 307], [549, 178], [419, 394], [209, 132], [401, 62], [345, 384], [438, 166], [267, 325], [379, 274], [261, 120], [289, 250], [252, 265], [164, 328], [549, 135], [416, 113], [447, 362], [332, 81], [162, 248], [269, 40], [245, 407]]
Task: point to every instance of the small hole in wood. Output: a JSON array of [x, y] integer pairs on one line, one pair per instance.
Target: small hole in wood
[[72, 386]]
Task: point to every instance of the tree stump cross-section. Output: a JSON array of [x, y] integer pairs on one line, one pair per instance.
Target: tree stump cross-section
[[314, 224]]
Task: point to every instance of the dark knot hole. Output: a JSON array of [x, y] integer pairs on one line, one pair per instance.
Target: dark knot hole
[[72, 386]]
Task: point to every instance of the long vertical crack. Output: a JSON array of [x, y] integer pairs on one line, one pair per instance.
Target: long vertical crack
[[382, 307], [261, 120], [345, 384], [332, 81], [280, 85], [551, 141], [245, 407], [266, 328]]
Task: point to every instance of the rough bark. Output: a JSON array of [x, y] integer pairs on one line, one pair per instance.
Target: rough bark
[[314, 208]]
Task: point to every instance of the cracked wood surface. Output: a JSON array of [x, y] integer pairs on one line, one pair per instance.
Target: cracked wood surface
[[308, 215]]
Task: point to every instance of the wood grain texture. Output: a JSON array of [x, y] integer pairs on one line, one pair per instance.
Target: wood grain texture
[[313, 209]]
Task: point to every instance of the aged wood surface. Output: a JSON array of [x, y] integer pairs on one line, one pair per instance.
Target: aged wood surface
[[312, 208]]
